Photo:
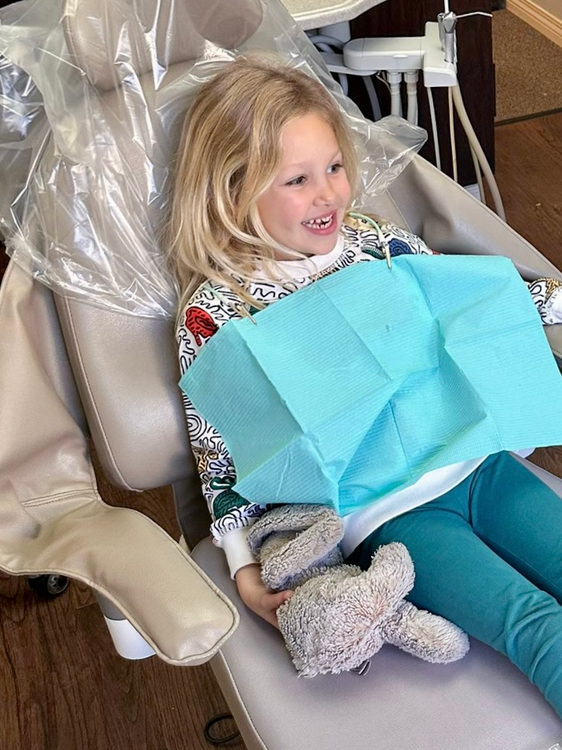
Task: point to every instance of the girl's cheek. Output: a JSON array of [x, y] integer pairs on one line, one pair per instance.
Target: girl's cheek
[[296, 205]]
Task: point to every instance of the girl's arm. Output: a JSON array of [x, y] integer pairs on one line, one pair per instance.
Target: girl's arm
[[547, 296], [257, 596], [231, 513]]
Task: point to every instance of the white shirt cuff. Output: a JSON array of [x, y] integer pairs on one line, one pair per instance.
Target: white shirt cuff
[[237, 550]]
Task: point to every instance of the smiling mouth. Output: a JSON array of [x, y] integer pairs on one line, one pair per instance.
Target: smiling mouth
[[322, 223]]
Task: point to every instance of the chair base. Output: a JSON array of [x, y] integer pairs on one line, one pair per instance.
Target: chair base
[[128, 643]]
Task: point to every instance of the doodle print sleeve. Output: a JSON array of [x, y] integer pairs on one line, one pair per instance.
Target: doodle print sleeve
[[547, 296], [231, 513]]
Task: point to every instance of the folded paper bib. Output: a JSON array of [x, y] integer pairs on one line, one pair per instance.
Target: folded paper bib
[[360, 383]]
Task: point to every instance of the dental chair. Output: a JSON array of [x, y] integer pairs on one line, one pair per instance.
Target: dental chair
[[87, 349]]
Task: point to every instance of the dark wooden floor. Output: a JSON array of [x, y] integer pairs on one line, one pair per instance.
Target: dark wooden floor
[[62, 687], [529, 174]]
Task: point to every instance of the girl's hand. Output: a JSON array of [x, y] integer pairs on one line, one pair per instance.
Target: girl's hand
[[255, 594]]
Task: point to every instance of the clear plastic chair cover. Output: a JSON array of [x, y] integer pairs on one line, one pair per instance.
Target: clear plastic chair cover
[[92, 95]]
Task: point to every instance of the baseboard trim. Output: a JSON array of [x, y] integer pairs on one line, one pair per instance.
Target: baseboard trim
[[537, 17]]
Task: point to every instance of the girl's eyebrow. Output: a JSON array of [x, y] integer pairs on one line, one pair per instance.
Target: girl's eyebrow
[[302, 164]]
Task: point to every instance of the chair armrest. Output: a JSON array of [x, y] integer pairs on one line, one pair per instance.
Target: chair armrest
[[137, 566], [52, 519]]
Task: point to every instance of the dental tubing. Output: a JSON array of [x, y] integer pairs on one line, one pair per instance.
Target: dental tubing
[[480, 155]]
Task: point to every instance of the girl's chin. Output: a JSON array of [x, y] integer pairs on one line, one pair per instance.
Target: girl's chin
[[322, 245], [320, 251], [312, 243], [309, 251]]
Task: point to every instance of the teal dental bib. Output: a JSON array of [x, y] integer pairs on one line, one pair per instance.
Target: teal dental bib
[[362, 382]]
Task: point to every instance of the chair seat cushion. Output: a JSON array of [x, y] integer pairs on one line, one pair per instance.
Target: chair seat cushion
[[482, 702]]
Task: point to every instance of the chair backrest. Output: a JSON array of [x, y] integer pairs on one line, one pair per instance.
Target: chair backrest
[[94, 31]]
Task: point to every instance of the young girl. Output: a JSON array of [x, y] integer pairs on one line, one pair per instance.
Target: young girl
[[265, 176]]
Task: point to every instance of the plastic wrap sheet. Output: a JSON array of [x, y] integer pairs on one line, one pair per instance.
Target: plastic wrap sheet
[[92, 95]]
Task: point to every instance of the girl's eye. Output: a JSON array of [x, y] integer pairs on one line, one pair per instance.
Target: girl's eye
[[297, 180], [335, 168]]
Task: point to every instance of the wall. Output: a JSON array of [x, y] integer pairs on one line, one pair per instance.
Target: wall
[[543, 15]]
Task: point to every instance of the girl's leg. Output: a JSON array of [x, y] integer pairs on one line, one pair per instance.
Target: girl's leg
[[520, 518], [460, 577]]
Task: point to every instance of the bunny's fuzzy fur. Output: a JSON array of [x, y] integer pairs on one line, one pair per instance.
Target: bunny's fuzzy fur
[[340, 616]]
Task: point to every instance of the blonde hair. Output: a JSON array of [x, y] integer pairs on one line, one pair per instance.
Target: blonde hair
[[228, 156]]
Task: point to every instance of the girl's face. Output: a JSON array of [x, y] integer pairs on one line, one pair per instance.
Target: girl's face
[[304, 207]]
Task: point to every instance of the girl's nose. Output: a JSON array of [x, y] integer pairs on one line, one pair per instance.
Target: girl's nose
[[325, 194]]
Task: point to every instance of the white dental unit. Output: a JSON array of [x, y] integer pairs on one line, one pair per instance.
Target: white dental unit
[[398, 61]]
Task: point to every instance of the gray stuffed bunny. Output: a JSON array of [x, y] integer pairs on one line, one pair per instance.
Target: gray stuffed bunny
[[339, 616]]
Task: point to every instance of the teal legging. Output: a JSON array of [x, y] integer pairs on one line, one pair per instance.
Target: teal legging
[[488, 556]]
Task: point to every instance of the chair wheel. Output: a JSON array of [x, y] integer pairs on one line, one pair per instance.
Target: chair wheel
[[49, 586]]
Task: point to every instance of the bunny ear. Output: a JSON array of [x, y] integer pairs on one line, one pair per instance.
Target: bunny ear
[[291, 539], [294, 519], [391, 573]]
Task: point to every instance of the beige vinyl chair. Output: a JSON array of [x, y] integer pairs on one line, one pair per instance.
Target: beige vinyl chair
[[70, 368]]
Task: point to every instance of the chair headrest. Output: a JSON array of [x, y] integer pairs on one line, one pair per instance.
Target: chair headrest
[[108, 39], [102, 88]]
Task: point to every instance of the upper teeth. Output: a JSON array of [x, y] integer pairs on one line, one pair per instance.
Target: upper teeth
[[323, 223]]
